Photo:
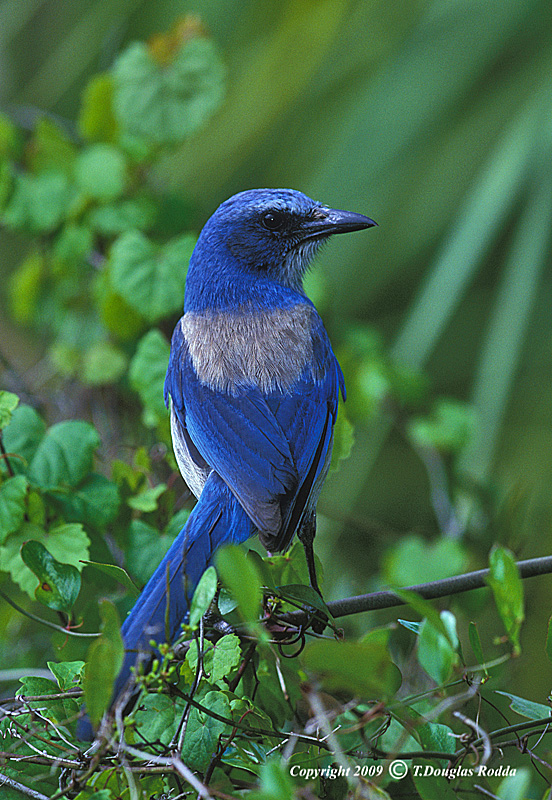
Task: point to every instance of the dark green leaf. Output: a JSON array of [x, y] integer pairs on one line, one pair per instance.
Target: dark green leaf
[[103, 663], [67, 544], [13, 492], [117, 573], [475, 642], [166, 102], [157, 717], [150, 277], [58, 710], [64, 456], [437, 737], [94, 502], [22, 436], [58, 584], [363, 668], [203, 732], [145, 550], [304, 596], [203, 596]]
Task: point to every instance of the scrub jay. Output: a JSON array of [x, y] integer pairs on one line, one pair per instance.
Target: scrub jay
[[253, 388]]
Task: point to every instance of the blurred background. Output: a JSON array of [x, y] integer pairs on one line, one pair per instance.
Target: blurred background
[[434, 118]]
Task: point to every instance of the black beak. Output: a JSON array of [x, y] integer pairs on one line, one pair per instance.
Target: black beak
[[330, 220]]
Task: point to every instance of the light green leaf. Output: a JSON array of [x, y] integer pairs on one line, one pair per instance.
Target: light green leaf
[[22, 436], [147, 499], [96, 121], [66, 543], [58, 584], [103, 663], [13, 492], [344, 439], [100, 172], [103, 363], [507, 588], [147, 371], [24, 287], [527, 708], [125, 215], [203, 596], [219, 660], [515, 787], [64, 456], [66, 673], [239, 574], [39, 203], [166, 102], [150, 277], [8, 403], [118, 573], [436, 652], [414, 560]]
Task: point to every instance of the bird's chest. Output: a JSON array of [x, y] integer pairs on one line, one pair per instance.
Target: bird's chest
[[233, 350]]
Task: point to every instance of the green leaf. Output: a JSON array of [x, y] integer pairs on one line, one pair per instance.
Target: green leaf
[[527, 708], [103, 363], [117, 573], [448, 428], [437, 737], [276, 783], [150, 277], [507, 588], [58, 710], [204, 595], [203, 732], [436, 652], [24, 287], [8, 403], [147, 371], [219, 660], [240, 576], [166, 102], [50, 149], [414, 560], [475, 642], [67, 544], [157, 717], [96, 120], [71, 249], [305, 596], [363, 668], [145, 550], [66, 673], [146, 500], [103, 663], [100, 172], [39, 203], [515, 787], [58, 584], [22, 436], [344, 439], [94, 502], [64, 456], [9, 137], [13, 492], [126, 215]]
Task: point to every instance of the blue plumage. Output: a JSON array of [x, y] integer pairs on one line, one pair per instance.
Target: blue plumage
[[253, 387]]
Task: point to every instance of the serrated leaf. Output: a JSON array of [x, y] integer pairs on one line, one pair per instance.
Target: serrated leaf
[[58, 584], [240, 576], [203, 731], [100, 172], [219, 660], [527, 708], [65, 454], [363, 668], [8, 403], [146, 500], [95, 501], [166, 102], [59, 709], [204, 594], [39, 203], [157, 717], [150, 277], [117, 573], [507, 588], [66, 673], [13, 492], [66, 543], [147, 371], [103, 663]]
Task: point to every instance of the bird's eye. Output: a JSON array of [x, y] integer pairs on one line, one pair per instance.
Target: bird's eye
[[273, 220]]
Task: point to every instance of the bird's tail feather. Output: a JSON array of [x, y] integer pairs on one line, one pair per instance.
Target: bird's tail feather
[[216, 519]]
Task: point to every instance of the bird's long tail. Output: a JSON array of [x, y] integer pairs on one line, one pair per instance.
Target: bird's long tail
[[216, 519]]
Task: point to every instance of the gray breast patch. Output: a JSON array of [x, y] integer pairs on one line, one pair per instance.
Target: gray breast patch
[[231, 350]]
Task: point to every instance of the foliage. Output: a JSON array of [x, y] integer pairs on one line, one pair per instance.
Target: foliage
[[84, 517]]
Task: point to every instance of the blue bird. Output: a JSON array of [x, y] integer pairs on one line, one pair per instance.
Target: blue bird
[[253, 388]]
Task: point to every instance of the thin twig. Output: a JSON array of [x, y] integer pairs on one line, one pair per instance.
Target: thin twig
[[45, 622], [5, 781]]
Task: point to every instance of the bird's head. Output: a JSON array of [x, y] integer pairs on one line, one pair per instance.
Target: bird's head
[[273, 233]]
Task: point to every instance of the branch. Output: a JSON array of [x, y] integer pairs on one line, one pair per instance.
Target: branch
[[387, 599]]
